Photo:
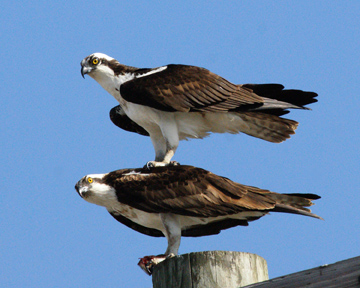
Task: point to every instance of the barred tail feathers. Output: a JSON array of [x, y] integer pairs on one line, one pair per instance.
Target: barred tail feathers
[[268, 127]]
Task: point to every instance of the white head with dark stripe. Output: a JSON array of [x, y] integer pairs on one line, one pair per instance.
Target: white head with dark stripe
[[107, 71], [93, 189], [99, 64]]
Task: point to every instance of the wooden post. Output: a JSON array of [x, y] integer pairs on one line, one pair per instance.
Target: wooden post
[[210, 269]]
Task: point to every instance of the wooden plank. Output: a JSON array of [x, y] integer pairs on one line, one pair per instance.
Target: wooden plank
[[174, 272], [343, 274], [210, 269]]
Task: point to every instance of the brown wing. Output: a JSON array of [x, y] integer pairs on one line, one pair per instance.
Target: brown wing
[[188, 88], [182, 189], [120, 119], [192, 191], [187, 190]]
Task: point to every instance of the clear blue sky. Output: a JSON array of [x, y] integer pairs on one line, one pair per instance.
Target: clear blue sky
[[55, 129]]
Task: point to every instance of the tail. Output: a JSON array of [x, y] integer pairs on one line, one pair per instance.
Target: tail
[[277, 100], [264, 122], [295, 203], [267, 127]]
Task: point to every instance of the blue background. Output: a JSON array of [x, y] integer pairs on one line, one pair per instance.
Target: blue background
[[55, 129]]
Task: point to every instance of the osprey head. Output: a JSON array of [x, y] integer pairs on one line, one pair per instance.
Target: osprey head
[[93, 189], [95, 62]]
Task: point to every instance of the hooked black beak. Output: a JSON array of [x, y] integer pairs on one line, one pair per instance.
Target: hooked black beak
[[81, 190], [85, 70], [77, 187]]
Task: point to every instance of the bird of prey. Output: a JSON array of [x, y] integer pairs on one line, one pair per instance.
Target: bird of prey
[[175, 201], [176, 102]]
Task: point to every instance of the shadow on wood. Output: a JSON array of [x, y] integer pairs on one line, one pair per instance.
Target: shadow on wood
[[341, 274], [210, 269]]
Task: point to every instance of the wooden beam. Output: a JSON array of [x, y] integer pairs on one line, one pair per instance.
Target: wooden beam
[[341, 274], [210, 269]]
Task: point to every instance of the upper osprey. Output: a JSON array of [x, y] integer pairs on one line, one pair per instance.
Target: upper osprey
[[176, 102]]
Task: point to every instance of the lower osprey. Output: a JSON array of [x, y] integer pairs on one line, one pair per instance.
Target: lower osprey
[[177, 201], [177, 102]]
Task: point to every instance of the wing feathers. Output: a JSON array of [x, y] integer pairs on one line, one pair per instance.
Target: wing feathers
[[178, 84], [190, 191], [120, 119], [193, 89]]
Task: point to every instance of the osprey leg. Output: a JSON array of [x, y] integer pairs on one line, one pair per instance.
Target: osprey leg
[[159, 144], [164, 141], [172, 232]]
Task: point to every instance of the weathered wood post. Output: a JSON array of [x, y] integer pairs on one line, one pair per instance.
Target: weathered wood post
[[210, 269]]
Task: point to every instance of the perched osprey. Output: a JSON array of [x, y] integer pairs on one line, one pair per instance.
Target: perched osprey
[[175, 201], [177, 102]]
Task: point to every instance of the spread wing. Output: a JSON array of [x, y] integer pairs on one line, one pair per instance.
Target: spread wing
[[188, 88]]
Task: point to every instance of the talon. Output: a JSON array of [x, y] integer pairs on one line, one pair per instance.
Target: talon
[[149, 165], [171, 255], [174, 163], [152, 164]]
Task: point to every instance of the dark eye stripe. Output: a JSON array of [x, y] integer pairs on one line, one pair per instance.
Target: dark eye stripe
[[92, 58]]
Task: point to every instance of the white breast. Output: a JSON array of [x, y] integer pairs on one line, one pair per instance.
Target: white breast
[[151, 220]]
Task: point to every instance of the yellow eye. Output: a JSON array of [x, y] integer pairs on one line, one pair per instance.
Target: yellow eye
[[95, 61], [90, 180]]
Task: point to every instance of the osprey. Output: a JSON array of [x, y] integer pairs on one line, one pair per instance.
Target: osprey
[[177, 102], [175, 201]]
